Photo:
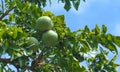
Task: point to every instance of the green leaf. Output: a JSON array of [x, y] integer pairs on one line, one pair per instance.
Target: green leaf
[[114, 58], [111, 63], [104, 54], [109, 37], [97, 30], [76, 3], [12, 56], [48, 13], [86, 29], [19, 4], [116, 40], [1, 34], [6, 44], [85, 47], [67, 5], [26, 7], [35, 11], [104, 29], [21, 62], [1, 69], [11, 17], [15, 33], [112, 47], [103, 40]]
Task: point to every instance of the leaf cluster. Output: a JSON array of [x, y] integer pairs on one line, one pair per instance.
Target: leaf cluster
[[72, 48]]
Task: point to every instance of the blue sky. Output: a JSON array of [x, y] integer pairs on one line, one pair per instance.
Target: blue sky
[[90, 13]]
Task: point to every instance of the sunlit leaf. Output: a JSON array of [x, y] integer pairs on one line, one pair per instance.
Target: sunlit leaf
[[15, 33], [116, 40], [97, 29], [26, 7], [109, 37], [11, 17]]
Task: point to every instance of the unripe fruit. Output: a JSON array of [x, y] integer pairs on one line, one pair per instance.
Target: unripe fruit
[[44, 23], [49, 38], [33, 43]]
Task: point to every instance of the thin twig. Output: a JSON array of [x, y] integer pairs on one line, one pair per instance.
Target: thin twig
[[6, 13], [2, 6]]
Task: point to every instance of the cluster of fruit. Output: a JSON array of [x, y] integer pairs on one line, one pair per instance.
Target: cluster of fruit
[[49, 37]]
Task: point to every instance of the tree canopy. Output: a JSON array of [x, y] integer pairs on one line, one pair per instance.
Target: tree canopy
[[22, 43]]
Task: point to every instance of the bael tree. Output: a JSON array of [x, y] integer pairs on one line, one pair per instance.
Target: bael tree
[[17, 26]]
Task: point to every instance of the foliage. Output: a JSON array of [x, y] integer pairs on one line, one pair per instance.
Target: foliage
[[67, 6], [17, 22]]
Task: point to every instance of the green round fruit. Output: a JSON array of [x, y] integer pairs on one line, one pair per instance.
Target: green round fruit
[[43, 23], [33, 43], [49, 38]]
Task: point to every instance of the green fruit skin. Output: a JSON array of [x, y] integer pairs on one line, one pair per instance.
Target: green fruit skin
[[33, 43], [49, 38], [44, 23]]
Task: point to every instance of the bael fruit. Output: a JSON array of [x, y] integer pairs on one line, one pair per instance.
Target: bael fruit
[[49, 38], [33, 43], [43, 23]]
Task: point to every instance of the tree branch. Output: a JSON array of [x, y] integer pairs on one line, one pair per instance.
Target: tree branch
[[35, 63], [2, 6], [3, 60], [6, 13]]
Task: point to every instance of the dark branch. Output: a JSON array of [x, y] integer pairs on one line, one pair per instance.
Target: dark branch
[[6, 13], [33, 66], [3, 60], [37, 60]]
